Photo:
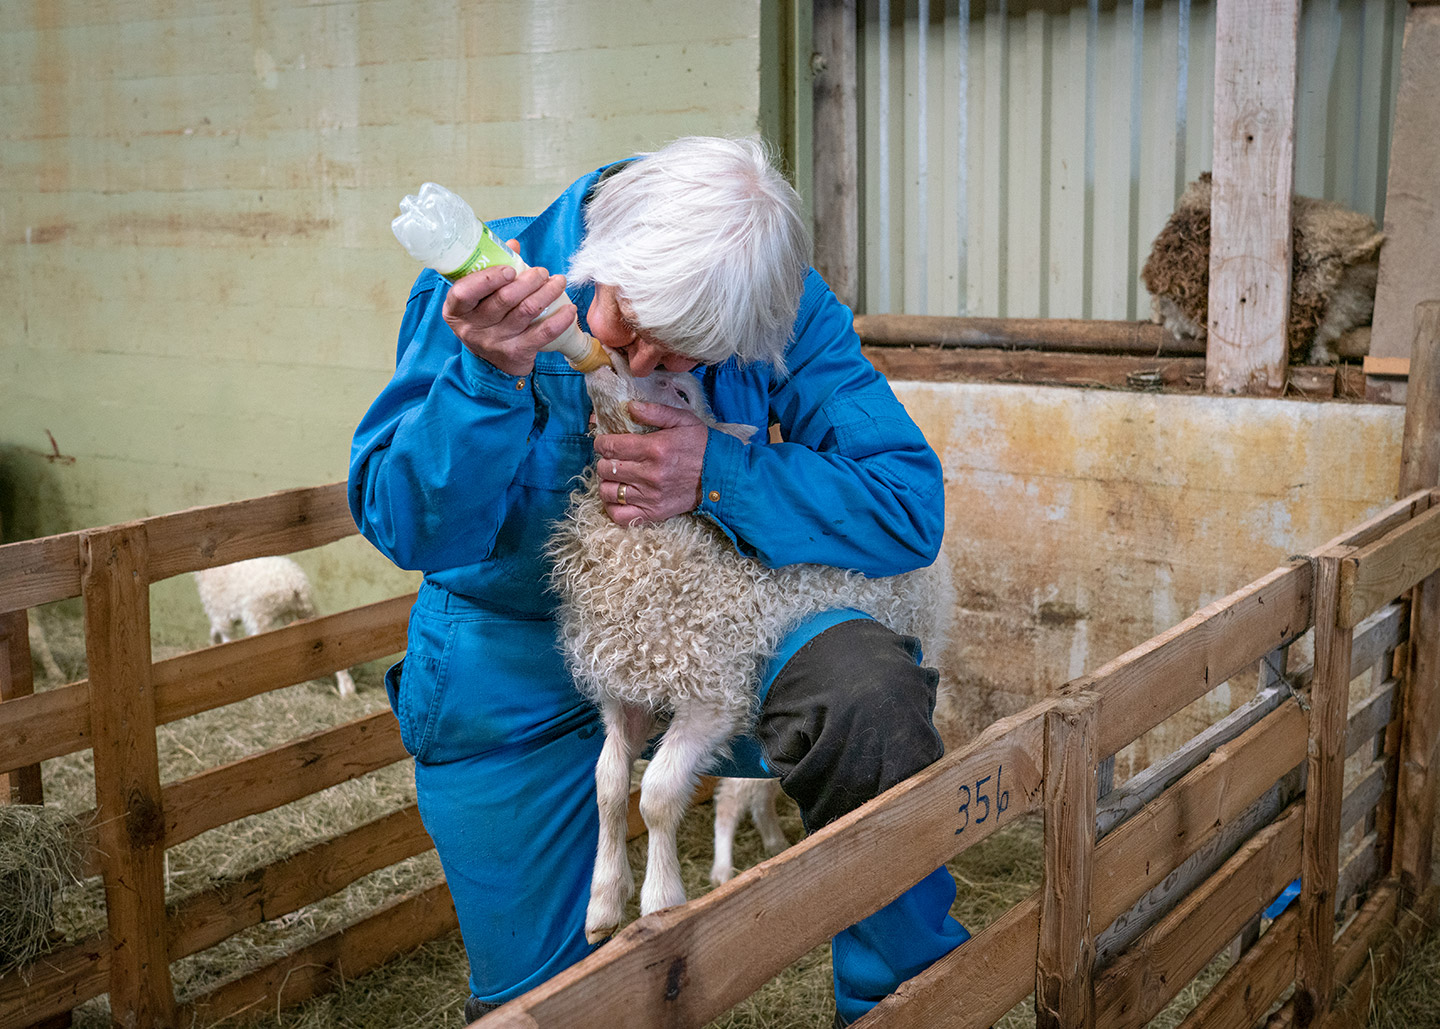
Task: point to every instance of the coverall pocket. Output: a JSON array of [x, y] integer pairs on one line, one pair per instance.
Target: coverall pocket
[[422, 677]]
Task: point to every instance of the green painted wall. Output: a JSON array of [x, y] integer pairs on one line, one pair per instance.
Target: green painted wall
[[199, 291]]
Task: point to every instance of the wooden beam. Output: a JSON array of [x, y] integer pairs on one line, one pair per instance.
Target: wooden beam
[[1324, 796], [1065, 957], [1137, 339], [1250, 218], [836, 195], [1041, 368], [1374, 575], [1248, 988], [1416, 788], [130, 813], [1420, 445], [17, 679], [1412, 197]]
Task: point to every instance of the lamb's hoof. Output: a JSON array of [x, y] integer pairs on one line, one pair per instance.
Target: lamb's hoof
[[600, 935], [720, 876]]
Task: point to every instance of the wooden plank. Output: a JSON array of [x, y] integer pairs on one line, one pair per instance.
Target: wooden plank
[[1412, 206], [1144, 979], [278, 523], [836, 194], [38, 571], [130, 813], [20, 785], [45, 725], [1123, 803], [1378, 635], [1416, 786], [684, 965], [1249, 987], [1254, 157], [1324, 795], [1037, 367], [1420, 443], [1361, 868], [279, 775], [1064, 993], [974, 985], [392, 930], [204, 919], [1142, 852], [304, 650], [1213, 851], [1370, 717], [1148, 683], [1138, 339], [1376, 574], [1386, 365], [55, 983]]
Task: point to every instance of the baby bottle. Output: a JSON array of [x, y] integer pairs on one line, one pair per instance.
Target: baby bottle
[[441, 231]]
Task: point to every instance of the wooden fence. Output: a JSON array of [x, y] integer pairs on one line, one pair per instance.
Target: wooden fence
[[116, 711], [1144, 884]]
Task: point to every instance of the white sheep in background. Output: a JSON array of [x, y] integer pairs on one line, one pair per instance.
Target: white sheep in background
[[669, 618], [1334, 269], [260, 594]]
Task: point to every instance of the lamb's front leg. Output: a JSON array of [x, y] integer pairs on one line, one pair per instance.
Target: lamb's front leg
[[612, 882], [695, 734]]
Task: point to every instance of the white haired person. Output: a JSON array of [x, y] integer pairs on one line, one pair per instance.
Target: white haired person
[[691, 258]]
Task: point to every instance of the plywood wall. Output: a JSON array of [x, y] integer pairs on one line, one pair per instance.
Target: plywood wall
[[198, 287]]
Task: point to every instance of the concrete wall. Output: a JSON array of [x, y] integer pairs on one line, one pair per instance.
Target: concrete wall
[[199, 291], [1084, 522]]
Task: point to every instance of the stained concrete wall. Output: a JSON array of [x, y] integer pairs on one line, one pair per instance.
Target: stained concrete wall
[[1083, 522]]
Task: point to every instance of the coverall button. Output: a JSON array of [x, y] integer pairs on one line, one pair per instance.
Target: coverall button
[[519, 383], [714, 496]]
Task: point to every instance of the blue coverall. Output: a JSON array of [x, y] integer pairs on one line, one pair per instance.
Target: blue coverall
[[460, 470]]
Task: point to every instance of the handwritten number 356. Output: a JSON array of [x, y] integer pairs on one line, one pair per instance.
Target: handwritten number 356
[[980, 798]]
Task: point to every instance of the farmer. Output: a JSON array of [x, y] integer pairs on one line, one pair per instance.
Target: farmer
[[694, 257]]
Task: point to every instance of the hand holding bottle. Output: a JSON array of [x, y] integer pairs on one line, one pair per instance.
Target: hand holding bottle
[[499, 307], [499, 314]]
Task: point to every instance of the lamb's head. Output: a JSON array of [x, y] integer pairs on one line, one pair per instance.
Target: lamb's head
[[613, 387]]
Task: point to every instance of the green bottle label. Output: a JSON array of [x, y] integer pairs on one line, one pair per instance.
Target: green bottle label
[[490, 250]]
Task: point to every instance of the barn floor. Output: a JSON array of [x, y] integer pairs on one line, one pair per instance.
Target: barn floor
[[427, 987]]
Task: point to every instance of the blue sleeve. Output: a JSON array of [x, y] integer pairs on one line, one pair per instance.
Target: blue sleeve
[[854, 484], [432, 459]]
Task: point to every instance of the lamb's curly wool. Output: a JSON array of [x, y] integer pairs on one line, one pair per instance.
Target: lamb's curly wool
[[1334, 268], [656, 614]]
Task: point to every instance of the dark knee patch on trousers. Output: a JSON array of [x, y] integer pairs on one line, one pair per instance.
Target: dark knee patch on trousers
[[849, 716]]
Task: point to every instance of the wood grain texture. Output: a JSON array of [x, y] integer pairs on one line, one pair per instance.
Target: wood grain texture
[[1138, 339], [1065, 956], [1376, 574], [56, 983], [1420, 444], [1416, 788], [1249, 987], [20, 785], [836, 192], [1250, 208], [130, 811], [1324, 795], [279, 775]]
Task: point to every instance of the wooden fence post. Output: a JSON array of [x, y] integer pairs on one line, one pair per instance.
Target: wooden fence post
[[1065, 959], [1324, 792], [1420, 699], [1247, 348], [17, 785], [836, 192], [131, 821]]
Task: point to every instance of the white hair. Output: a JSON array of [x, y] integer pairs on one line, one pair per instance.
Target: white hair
[[704, 240]]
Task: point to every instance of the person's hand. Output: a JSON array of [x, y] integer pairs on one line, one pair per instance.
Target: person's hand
[[491, 311], [659, 471]]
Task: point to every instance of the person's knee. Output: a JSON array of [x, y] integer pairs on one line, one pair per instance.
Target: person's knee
[[848, 717]]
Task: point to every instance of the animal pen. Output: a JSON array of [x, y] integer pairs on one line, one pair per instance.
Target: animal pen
[[1327, 775]]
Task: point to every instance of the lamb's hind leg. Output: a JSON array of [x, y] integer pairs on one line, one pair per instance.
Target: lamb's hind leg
[[694, 735], [612, 882]]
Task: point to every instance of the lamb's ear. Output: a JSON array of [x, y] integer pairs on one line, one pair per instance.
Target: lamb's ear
[[1365, 251], [739, 430]]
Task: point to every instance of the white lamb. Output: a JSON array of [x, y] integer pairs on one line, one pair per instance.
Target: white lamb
[[670, 619], [734, 797], [260, 594]]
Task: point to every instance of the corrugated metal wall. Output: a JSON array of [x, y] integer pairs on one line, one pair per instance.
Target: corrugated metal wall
[[1019, 157]]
